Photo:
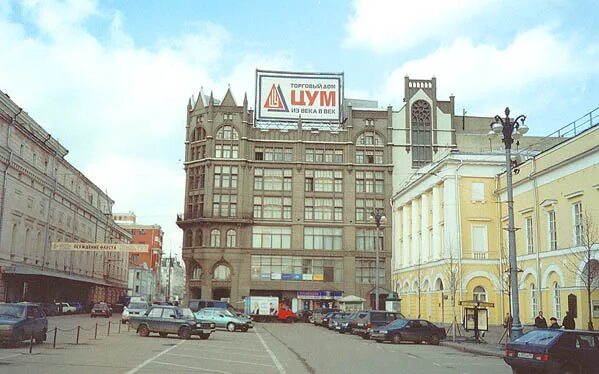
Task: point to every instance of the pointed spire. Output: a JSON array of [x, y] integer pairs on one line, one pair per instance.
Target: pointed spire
[[189, 105], [211, 100], [200, 101], [228, 100]]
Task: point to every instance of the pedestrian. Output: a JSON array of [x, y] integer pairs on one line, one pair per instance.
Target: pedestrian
[[507, 321], [540, 322], [554, 324], [568, 323]]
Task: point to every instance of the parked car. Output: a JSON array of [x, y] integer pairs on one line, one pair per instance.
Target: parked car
[[414, 330], [78, 306], [66, 308], [334, 318], [224, 318], [554, 351], [21, 321], [345, 324], [373, 319], [167, 319], [101, 309], [50, 309], [198, 304], [304, 316], [134, 308], [319, 314]]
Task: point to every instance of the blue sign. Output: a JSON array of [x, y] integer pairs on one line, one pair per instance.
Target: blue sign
[[297, 277], [286, 276]]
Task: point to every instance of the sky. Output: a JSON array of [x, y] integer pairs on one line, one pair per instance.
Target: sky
[[111, 79]]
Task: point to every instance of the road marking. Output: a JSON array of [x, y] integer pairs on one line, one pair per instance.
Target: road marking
[[9, 356], [138, 367], [231, 353], [192, 367], [411, 355], [436, 364], [220, 359], [272, 355]]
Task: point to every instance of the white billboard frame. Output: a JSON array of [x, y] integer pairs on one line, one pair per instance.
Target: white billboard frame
[[285, 107], [98, 247]]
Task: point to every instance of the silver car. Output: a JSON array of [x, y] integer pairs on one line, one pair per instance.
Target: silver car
[[135, 308], [224, 318]]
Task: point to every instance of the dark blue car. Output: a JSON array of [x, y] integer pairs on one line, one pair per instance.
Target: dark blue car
[[414, 330], [21, 321]]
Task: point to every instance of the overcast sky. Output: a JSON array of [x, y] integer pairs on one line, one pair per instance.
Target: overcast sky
[[111, 79]]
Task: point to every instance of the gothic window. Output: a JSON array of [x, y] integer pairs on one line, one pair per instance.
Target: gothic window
[[188, 238], [422, 150], [227, 132], [197, 273], [222, 273], [198, 238], [215, 238], [231, 238]]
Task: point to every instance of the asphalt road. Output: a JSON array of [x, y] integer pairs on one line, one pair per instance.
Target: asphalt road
[[269, 348]]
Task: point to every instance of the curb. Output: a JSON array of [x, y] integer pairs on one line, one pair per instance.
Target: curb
[[473, 350]]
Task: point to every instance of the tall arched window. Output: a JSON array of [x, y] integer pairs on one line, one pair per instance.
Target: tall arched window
[[199, 134], [557, 302], [188, 238], [227, 132], [196, 274], [422, 146], [215, 238], [13, 239], [533, 301], [199, 240], [369, 148], [479, 293], [231, 238], [27, 244], [222, 273]]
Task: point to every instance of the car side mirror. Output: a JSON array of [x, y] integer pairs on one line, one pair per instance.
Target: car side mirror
[[173, 316], [220, 315]]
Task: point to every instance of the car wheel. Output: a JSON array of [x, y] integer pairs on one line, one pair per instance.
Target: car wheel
[[143, 331], [230, 326], [163, 334], [244, 328], [434, 340], [396, 339], [366, 336], [41, 337], [379, 341], [185, 332], [204, 336]]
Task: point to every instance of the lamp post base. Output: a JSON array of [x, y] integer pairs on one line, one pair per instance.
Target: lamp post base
[[516, 332]]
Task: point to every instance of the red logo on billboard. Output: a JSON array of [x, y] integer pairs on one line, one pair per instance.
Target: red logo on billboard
[[275, 101]]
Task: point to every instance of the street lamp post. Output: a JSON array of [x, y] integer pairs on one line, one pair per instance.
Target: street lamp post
[[379, 218], [511, 130]]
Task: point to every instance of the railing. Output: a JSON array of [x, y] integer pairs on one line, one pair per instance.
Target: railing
[[480, 255]]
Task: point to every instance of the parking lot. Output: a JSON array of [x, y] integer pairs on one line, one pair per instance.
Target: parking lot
[[269, 348]]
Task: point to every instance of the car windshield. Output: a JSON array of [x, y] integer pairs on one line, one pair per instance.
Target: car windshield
[[227, 313], [538, 337], [398, 323], [100, 306], [186, 313], [15, 311], [138, 306]]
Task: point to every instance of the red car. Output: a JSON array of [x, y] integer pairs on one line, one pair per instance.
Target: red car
[[101, 309]]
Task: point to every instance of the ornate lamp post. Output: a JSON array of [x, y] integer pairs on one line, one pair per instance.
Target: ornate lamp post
[[379, 218], [511, 130]]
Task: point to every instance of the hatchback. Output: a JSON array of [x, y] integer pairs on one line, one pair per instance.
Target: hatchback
[[224, 318]]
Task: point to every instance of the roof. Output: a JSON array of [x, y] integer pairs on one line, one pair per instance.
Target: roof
[[351, 299]]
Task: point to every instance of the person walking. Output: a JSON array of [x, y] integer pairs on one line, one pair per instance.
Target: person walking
[[540, 322], [568, 323], [554, 324]]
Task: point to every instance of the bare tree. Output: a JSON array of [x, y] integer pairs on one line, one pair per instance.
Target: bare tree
[[503, 274], [584, 252], [452, 272]]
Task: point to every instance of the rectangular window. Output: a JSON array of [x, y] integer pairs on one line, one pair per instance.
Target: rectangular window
[[225, 176], [323, 181], [365, 240], [266, 207], [292, 268], [271, 237], [227, 151], [480, 242], [323, 238], [321, 209], [578, 222], [478, 191], [273, 154], [552, 230], [324, 155], [529, 235], [366, 271], [224, 205], [370, 182], [272, 179], [369, 156], [365, 207]]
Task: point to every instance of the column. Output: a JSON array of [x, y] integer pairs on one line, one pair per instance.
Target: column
[[436, 244], [397, 234], [415, 229], [426, 252], [451, 218], [405, 249]]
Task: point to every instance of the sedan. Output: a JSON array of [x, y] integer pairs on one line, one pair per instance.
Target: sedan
[[414, 330], [22, 321], [101, 309], [224, 318]]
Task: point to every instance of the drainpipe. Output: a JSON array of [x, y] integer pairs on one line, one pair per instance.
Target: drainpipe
[[536, 228]]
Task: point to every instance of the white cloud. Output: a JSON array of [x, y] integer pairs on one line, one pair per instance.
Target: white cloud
[[486, 75], [389, 25], [119, 108]]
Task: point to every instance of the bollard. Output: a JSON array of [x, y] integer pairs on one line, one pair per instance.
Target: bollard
[[128, 327], [78, 329], [31, 343], [96, 331], [108, 334], [54, 340], [120, 327]]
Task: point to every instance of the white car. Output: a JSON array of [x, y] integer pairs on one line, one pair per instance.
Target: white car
[[66, 308], [134, 308]]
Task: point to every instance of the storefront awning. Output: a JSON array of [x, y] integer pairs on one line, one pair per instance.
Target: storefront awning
[[28, 270]]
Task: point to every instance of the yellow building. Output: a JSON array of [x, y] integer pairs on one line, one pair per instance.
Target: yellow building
[[449, 223]]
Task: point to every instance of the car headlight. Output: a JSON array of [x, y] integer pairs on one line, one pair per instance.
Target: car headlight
[[383, 331], [5, 327], [212, 325]]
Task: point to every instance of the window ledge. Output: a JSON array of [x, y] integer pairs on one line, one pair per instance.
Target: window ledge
[[573, 194]]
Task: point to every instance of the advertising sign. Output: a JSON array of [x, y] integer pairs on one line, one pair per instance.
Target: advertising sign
[[99, 247], [261, 305], [285, 96]]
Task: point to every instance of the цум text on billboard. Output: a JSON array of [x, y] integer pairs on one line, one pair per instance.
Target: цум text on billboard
[[285, 96]]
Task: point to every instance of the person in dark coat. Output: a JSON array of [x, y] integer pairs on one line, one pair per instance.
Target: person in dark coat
[[554, 324], [540, 322], [568, 323]]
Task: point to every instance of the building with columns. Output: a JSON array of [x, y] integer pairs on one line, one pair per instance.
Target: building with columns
[[45, 199]]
